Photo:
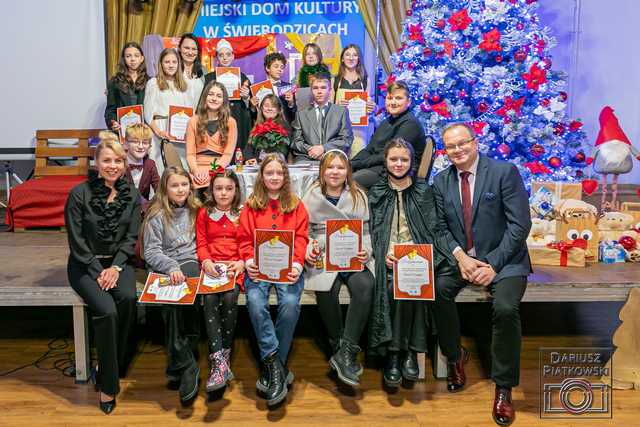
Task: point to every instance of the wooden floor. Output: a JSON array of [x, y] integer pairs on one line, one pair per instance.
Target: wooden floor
[[36, 397]]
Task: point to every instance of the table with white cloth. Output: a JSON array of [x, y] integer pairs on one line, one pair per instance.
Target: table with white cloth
[[302, 177]]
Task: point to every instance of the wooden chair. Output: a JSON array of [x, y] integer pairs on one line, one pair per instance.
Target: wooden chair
[[426, 162], [45, 153]]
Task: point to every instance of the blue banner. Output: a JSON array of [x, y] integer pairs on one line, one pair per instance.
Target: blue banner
[[233, 18]]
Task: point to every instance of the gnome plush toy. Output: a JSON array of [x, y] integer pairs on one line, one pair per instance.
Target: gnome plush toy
[[612, 154]]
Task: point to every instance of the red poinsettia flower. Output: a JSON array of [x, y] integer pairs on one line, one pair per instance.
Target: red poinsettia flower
[[441, 109], [491, 41], [478, 127], [447, 47], [575, 125], [510, 105], [537, 168], [535, 77], [460, 20], [415, 33]]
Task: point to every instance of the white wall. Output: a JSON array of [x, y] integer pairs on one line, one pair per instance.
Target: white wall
[[53, 71]]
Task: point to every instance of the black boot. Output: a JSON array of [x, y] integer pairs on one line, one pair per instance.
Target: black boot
[[345, 362], [189, 382], [392, 374], [410, 370], [277, 386], [263, 381]]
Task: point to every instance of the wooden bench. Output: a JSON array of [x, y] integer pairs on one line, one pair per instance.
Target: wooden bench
[[79, 154], [35, 274]]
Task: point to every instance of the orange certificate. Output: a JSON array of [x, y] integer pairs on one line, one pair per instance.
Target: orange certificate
[[229, 77], [128, 116], [273, 251], [213, 285], [343, 242], [357, 107], [159, 290], [413, 272], [262, 89], [177, 124]]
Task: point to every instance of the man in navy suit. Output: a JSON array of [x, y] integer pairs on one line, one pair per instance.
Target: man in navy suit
[[483, 211]]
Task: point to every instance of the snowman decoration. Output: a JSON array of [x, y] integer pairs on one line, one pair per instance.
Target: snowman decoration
[[612, 155]]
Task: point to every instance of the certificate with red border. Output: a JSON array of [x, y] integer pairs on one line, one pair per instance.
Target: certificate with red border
[[357, 107], [273, 254], [159, 290], [213, 285], [177, 122], [413, 277], [229, 77], [342, 244], [262, 89], [128, 116]]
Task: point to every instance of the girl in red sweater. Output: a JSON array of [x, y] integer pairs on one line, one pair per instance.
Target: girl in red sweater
[[217, 240], [273, 206]]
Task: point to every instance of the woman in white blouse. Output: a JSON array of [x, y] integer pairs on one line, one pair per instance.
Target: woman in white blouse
[[169, 87], [189, 50]]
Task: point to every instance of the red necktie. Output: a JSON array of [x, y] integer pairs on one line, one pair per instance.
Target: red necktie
[[467, 212]]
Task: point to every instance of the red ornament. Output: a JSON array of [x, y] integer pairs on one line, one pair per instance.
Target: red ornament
[[559, 129], [589, 160], [409, 12], [435, 99], [462, 94], [425, 96], [441, 24], [535, 77], [579, 173], [519, 26], [411, 65], [427, 51], [498, 58], [589, 186], [575, 125], [579, 157], [628, 242], [503, 149], [537, 150], [638, 192], [482, 107], [563, 96], [491, 41], [520, 56], [495, 85], [467, 44], [460, 20], [510, 105], [545, 102], [555, 162]]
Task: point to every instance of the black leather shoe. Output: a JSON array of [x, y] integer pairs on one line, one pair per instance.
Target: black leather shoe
[[189, 383], [410, 370], [277, 386], [262, 384], [345, 362], [392, 374], [108, 407]]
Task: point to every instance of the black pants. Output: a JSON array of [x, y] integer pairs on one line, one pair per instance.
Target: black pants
[[409, 322], [178, 321], [220, 314], [113, 313], [507, 332], [360, 286]]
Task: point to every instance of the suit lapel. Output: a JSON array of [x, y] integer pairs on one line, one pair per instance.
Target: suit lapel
[[313, 119], [455, 190], [480, 181]]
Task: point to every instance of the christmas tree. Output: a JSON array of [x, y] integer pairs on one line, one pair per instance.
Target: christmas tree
[[487, 63]]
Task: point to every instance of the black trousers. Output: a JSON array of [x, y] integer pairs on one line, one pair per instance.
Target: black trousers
[[113, 313], [179, 327], [220, 314], [507, 333], [410, 326], [360, 286]]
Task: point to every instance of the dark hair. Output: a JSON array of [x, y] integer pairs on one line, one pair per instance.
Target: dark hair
[[275, 100], [210, 202], [197, 64], [360, 70], [121, 77], [321, 75], [399, 85], [399, 143], [273, 57]]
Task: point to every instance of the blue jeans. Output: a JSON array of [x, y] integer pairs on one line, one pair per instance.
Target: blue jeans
[[272, 337]]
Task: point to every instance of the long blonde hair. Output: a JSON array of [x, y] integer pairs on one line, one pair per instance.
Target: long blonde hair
[[161, 204], [350, 183], [259, 199], [223, 113], [178, 79]]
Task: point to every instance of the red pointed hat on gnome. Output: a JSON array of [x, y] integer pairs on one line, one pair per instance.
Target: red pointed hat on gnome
[[610, 129]]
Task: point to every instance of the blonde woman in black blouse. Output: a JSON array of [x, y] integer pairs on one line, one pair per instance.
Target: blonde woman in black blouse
[[102, 216]]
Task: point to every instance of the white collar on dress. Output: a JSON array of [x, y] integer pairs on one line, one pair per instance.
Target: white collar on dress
[[216, 215]]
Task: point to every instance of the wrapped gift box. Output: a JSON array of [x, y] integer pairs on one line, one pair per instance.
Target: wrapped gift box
[[559, 254], [561, 190]]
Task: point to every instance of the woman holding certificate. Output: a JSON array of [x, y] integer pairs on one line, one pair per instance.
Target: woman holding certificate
[[127, 86], [336, 197], [169, 87], [170, 248], [402, 212], [102, 217], [212, 134], [273, 240]]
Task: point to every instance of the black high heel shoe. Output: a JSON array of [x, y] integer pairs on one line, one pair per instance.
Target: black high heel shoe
[[108, 407]]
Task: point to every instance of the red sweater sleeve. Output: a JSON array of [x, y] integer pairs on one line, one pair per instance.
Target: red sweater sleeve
[[245, 233], [302, 234], [201, 236]]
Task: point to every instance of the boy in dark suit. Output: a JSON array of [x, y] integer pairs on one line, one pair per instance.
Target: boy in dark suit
[[483, 211], [141, 170]]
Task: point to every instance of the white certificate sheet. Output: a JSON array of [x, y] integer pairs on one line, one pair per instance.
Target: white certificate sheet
[[127, 120], [178, 125], [171, 293], [230, 81], [413, 273], [273, 258], [216, 282], [357, 109], [343, 246]]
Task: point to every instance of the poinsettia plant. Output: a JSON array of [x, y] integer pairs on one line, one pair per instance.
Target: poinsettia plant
[[270, 137]]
